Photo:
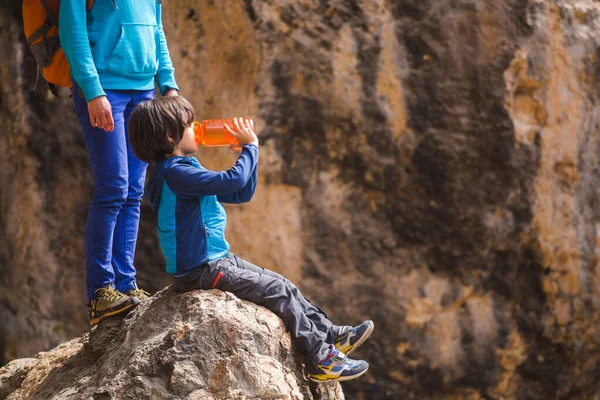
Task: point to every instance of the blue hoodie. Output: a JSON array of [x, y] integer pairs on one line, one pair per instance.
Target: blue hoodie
[[188, 197], [117, 45]]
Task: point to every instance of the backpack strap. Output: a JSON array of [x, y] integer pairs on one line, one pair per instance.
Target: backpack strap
[[34, 81], [53, 17], [40, 32]]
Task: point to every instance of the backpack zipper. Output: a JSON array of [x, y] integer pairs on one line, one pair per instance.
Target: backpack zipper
[[115, 4]]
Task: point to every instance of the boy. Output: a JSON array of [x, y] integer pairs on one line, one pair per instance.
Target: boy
[[191, 227]]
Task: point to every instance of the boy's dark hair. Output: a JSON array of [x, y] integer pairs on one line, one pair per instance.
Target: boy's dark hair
[[154, 122]]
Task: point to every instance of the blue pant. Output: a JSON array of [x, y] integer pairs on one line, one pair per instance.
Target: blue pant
[[113, 219]]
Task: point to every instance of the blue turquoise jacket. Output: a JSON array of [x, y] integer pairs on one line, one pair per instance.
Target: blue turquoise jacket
[[117, 45], [188, 197]]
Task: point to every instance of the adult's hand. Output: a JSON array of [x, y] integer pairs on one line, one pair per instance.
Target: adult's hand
[[100, 112], [171, 92]]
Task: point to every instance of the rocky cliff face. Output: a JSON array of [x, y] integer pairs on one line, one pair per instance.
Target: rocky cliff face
[[428, 164], [194, 346]]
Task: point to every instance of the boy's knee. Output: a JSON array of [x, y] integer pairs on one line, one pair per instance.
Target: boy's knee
[[291, 284], [276, 289], [280, 297], [292, 287]]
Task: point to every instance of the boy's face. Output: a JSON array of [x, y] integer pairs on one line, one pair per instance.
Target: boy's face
[[188, 144]]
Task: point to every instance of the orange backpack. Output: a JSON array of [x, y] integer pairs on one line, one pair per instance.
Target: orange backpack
[[40, 20]]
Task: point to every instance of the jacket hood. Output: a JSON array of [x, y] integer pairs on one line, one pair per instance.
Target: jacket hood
[[155, 184]]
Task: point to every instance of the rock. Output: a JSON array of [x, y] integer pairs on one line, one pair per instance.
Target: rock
[[430, 164], [197, 345], [13, 374]]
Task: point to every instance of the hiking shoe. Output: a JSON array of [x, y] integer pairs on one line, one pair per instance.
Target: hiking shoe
[[350, 338], [337, 367], [140, 294], [108, 302]]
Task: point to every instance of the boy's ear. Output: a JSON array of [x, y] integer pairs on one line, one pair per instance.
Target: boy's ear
[[169, 138]]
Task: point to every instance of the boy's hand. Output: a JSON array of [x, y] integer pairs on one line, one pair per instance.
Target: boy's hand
[[243, 131]]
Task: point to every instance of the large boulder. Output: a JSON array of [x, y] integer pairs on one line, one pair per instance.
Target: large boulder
[[200, 345]]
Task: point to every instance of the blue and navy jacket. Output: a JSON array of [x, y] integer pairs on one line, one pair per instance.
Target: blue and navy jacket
[[188, 197]]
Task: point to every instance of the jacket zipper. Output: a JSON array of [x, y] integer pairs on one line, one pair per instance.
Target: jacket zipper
[[115, 4]]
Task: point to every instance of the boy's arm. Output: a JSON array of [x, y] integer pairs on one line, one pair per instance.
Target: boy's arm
[[245, 194], [75, 43], [188, 181], [165, 76]]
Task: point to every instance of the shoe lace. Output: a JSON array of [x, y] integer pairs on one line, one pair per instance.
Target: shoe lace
[[139, 292], [111, 294]]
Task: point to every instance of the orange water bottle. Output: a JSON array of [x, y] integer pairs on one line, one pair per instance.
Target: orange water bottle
[[212, 132]]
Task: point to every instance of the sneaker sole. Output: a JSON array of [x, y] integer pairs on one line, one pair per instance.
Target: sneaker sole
[[362, 339], [338, 379], [111, 313]]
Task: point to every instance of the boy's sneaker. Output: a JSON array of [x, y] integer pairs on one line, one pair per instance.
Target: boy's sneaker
[[350, 338], [337, 367], [138, 293], [108, 302]]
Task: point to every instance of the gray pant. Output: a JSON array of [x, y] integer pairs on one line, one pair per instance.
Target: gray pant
[[307, 323]]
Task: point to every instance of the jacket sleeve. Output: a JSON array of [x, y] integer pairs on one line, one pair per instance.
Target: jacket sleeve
[[165, 76], [188, 181], [245, 194], [75, 43]]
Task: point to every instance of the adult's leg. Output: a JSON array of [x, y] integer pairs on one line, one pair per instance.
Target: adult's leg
[[313, 312], [108, 159], [128, 220], [265, 290]]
